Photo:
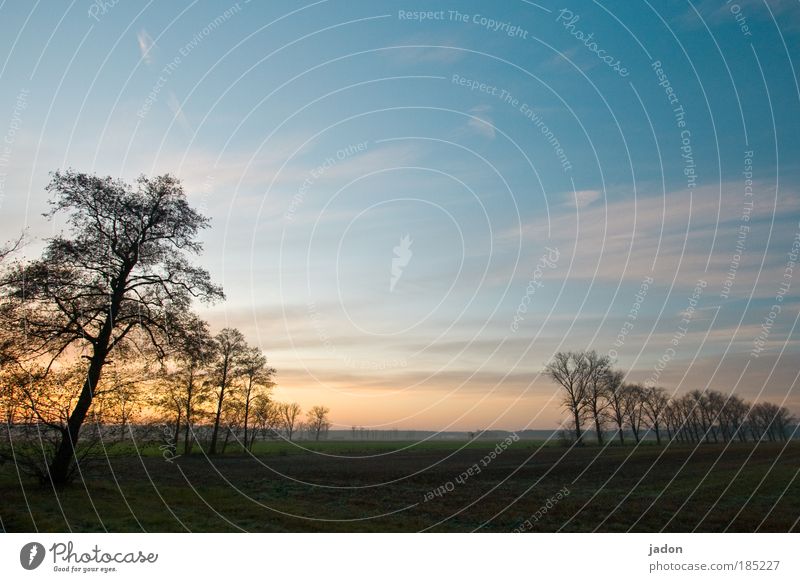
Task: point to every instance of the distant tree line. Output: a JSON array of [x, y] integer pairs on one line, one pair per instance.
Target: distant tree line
[[595, 395], [97, 335]]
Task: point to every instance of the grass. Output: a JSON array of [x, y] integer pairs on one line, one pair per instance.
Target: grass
[[344, 448], [387, 486]]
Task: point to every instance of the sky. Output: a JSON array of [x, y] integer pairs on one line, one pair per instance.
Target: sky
[[415, 205]]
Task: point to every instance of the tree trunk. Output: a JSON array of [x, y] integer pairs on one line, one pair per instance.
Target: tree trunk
[[742, 433], [225, 442], [61, 465], [598, 429], [225, 369], [212, 450], [176, 439], [578, 432], [187, 441], [246, 414]]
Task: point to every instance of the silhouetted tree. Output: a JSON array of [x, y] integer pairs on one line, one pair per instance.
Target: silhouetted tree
[[289, 412], [770, 422], [43, 401], [121, 276], [257, 378], [731, 418], [231, 418], [317, 421], [231, 348], [10, 344], [782, 420], [617, 403], [194, 350], [654, 405], [597, 376], [704, 413], [633, 396], [267, 417], [569, 370]]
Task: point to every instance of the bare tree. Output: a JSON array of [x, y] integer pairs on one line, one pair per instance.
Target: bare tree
[[122, 277], [703, 413], [231, 419], [770, 422], [194, 350], [44, 400], [258, 379], [687, 412], [119, 404], [597, 376], [760, 422], [654, 405], [569, 369], [734, 415], [617, 402], [633, 395], [289, 412], [782, 420], [231, 348], [11, 247], [593, 390], [715, 402], [672, 421], [170, 398], [10, 343], [317, 421], [267, 418]]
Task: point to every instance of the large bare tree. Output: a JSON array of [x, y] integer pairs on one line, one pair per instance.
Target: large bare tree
[[569, 370], [119, 277]]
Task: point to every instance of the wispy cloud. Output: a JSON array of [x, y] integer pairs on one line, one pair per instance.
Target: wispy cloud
[[175, 106], [146, 46], [676, 235], [480, 122], [581, 198]]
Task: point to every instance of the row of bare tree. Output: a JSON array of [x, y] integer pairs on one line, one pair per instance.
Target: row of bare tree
[[101, 325], [211, 390], [225, 384], [596, 395]]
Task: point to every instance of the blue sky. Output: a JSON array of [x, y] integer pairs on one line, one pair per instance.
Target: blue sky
[[316, 136]]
